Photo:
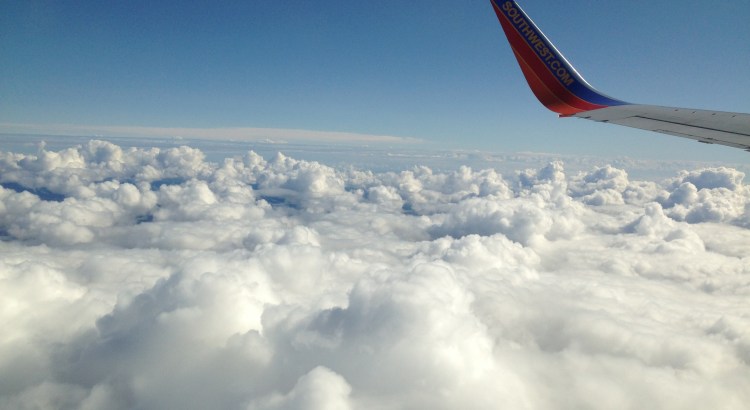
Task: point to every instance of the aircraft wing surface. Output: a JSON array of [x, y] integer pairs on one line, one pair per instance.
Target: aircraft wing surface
[[557, 85]]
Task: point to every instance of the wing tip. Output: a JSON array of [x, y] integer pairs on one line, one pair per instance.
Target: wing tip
[[552, 79]]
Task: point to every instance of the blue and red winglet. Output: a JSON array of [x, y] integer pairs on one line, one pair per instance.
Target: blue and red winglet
[[561, 89], [553, 80]]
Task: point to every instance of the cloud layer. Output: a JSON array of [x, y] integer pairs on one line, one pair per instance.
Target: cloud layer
[[218, 134], [151, 278]]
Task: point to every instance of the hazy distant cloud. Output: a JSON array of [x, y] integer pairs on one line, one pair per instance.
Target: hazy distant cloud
[[279, 135], [151, 278]]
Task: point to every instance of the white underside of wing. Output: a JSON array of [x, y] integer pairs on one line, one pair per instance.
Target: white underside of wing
[[711, 127]]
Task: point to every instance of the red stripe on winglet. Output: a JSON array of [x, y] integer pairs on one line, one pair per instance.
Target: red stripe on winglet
[[543, 83]]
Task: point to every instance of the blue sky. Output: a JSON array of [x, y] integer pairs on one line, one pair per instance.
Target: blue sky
[[440, 71]]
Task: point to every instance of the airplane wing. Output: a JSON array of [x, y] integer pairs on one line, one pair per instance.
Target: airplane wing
[[558, 86]]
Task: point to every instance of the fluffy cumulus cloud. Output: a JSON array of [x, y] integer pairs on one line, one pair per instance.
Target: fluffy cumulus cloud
[[152, 278], [709, 195]]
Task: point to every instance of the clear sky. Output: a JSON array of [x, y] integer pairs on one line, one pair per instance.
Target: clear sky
[[440, 71]]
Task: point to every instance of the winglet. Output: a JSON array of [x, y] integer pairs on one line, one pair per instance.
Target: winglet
[[551, 77]]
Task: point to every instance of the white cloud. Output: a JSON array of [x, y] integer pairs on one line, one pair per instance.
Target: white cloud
[[271, 135], [151, 278], [710, 195], [319, 389]]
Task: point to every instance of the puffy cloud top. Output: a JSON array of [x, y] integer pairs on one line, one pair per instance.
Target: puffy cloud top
[[151, 278]]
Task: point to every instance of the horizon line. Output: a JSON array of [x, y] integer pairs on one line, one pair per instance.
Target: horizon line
[[250, 134]]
